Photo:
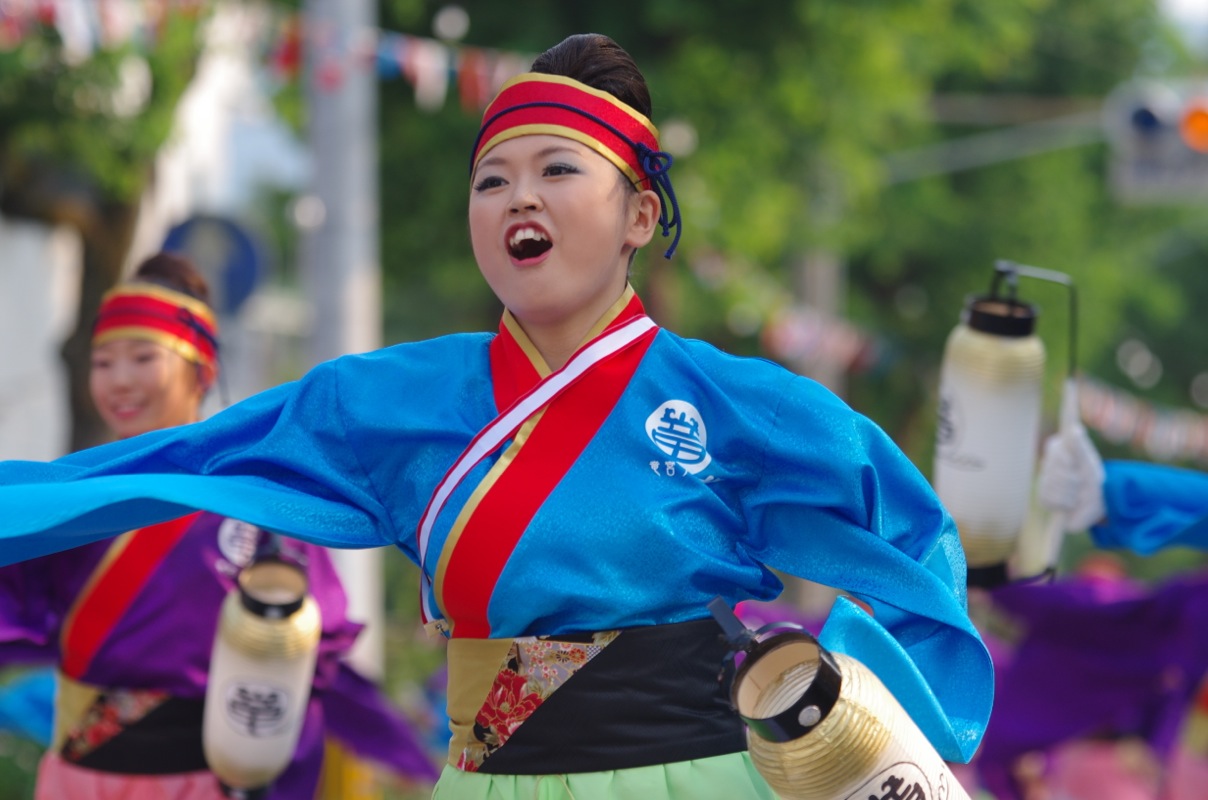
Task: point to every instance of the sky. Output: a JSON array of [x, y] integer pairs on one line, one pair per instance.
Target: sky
[[1187, 9], [1192, 15]]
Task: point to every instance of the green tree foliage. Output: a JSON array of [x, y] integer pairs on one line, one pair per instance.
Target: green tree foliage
[[79, 133], [797, 110], [791, 105], [938, 237], [102, 116]]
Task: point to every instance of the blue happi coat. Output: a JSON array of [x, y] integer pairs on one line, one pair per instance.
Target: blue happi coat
[[755, 469]]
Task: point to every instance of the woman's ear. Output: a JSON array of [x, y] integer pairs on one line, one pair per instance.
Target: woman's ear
[[206, 375], [644, 208]]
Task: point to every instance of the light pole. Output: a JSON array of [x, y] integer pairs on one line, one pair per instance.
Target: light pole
[[340, 267]]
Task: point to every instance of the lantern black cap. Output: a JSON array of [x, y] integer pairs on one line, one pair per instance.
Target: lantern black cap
[[1000, 316]]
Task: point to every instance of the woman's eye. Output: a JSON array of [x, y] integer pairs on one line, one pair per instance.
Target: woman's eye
[[489, 182], [560, 169]]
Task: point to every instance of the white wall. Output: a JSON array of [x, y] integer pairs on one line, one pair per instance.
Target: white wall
[[226, 142], [39, 290]]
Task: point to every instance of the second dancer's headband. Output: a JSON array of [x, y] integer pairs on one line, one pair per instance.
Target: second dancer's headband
[[148, 311], [536, 103]]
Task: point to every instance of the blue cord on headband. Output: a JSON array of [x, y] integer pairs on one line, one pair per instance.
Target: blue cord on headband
[[656, 163]]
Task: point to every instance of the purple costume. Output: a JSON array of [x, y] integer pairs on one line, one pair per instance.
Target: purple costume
[[164, 639], [1097, 659]]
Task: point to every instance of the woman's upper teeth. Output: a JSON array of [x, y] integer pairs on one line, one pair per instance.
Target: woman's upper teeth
[[526, 233]]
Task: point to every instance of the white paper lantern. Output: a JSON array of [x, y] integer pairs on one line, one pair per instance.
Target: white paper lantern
[[261, 671], [822, 726], [989, 427]]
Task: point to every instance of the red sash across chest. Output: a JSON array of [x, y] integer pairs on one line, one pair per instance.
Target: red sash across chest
[[475, 557], [123, 572]]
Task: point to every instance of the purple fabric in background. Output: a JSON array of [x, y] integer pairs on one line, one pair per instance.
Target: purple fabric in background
[[164, 640], [357, 715], [1098, 658], [755, 615]]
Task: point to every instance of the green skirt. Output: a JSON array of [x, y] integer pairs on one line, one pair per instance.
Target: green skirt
[[728, 777]]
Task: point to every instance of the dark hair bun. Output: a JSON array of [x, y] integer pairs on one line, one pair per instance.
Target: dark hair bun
[[599, 62], [174, 271]]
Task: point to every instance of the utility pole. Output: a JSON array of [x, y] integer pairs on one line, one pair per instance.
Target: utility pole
[[821, 284], [340, 266]]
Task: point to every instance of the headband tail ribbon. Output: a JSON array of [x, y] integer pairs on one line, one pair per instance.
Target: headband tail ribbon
[[656, 163]]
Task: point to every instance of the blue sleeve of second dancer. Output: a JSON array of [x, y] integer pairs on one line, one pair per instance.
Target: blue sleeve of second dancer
[[282, 460], [1153, 506]]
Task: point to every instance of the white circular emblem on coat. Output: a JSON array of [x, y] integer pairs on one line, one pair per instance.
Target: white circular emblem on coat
[[678, 430], [237, 541]]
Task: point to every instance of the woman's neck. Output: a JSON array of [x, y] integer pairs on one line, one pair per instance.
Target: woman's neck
[[557, 341], [556, 344]]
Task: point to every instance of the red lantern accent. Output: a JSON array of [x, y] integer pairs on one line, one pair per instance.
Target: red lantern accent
[[1193, 126]]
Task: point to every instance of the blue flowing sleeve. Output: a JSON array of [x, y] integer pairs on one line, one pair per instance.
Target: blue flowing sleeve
[[840, 504], [284, 460], [1152, 506]]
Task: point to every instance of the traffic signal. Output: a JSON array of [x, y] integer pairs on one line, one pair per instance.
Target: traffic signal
[[1158, 130], [1193, 124]]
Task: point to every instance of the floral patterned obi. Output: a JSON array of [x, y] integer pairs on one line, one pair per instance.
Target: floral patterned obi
[[590, 702], [127, 731]]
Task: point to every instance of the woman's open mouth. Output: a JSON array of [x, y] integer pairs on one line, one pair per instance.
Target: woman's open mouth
[[528, 242]]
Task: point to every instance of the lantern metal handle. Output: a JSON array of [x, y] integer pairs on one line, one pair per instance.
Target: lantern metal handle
[[1010, 271]]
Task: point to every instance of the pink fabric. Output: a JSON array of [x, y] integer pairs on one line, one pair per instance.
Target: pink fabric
[[1092, 770], [966, 776], [59, 780], [1188, 776]]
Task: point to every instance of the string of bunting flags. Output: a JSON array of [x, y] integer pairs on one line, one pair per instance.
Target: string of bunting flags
[[435, 69], [85, 26], [1163, 434]]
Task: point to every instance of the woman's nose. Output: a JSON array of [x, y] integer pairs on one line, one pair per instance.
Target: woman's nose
[[121, 374], [525, 199]]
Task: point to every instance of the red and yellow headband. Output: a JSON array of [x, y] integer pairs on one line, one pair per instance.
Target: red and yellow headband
[[536, 103], [148, 311]]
